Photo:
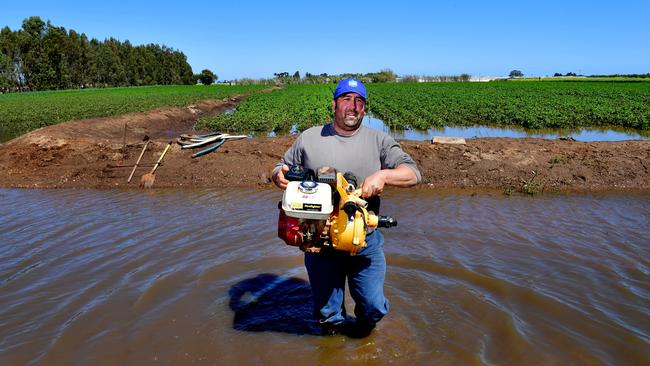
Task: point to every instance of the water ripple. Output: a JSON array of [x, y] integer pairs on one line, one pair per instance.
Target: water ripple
[[130, 276]]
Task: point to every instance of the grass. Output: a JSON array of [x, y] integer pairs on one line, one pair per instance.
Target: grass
[[296, 106], [556, 160], [583, 78], [529, 186], [531, 105], [23, 112], [526, 104]]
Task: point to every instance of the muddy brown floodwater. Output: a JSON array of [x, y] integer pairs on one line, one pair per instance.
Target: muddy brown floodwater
[[110, 277]]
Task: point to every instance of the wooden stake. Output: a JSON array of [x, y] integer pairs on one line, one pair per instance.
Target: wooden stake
[[138, 162]]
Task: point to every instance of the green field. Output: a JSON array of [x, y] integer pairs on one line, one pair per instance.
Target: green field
[[528, 104], [23, 112], [614, 79], [532, 104], [299, 106]]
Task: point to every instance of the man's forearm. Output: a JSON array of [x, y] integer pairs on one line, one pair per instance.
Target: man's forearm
[[401, 176]]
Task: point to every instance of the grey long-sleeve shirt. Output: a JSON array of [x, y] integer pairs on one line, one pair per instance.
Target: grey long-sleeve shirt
[[363, 153]]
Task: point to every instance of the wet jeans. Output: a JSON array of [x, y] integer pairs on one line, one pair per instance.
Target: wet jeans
[[365, 273]]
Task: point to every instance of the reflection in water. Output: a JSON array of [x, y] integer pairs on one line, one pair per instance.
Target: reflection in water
[[180, 277], [587, 134], [579, 134]]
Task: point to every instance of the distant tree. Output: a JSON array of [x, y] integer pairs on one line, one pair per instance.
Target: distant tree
[[571, 74], [465, 77], [516, 74], [383, 76], [34, 26], [30, 44], [6, 73], [557, 74], [296, 75], [642, 76], [207, 77], [42, 56], [408, 78], [10, 66], [283, 78]]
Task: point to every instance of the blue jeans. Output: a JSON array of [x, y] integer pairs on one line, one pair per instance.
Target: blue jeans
[[365, 273]]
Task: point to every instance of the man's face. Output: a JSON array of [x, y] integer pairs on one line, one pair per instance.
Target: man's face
[[348, 111]]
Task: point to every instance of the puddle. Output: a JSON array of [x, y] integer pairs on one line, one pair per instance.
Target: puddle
[[580, 134], [586, 134]]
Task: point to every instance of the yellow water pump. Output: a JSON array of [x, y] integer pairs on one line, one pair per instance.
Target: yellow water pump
[[326, 211]]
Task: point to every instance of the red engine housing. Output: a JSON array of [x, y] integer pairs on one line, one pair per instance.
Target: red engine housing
[[289, 229]]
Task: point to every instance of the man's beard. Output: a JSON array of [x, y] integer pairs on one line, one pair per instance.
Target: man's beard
[[352, 122]]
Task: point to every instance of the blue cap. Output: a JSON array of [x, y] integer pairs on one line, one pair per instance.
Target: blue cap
[[350, 85]]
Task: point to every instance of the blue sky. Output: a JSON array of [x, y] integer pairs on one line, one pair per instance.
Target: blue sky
[[255, 39]]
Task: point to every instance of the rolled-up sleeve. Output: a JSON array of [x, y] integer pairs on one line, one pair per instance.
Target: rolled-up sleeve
[[393, 156]]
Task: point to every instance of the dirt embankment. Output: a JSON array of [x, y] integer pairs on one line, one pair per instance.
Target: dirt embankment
[[81, 154]]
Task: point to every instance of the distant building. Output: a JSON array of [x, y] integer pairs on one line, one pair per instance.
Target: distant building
[[486, 78]]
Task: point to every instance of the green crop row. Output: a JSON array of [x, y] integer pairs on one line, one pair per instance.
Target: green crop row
[[296, 106], [22, 112], [535, 104], [525, 104], [424, 105]]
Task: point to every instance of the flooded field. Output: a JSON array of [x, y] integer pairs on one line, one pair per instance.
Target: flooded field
[[587, 134], [184, 277]]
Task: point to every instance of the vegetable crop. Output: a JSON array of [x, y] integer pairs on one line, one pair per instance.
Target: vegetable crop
[[22, 112], [532, 105], [294, 107], [526, 104]]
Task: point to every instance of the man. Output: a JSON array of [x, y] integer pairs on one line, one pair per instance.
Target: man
[[376, 160]]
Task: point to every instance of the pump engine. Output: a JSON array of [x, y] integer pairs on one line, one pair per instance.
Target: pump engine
[[325, 209]]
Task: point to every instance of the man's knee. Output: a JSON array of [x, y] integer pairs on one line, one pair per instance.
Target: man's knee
[[372, 310]]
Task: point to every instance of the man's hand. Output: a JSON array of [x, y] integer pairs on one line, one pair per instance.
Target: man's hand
[[278, 176], [374, 184], [402, 176]]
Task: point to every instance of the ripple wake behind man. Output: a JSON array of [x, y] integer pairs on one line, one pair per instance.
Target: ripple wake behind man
[[377, 160]]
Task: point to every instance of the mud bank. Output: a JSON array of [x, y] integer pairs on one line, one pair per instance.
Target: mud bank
[[81, 154]]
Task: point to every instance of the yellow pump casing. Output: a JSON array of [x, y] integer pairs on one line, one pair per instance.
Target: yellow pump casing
[[349, 233]]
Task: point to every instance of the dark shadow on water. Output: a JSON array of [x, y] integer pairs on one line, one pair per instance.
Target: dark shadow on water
[[270, 302]]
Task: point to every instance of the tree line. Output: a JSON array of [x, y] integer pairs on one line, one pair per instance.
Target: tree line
[[637, 76], [41, 56], [283, 78], [382, 76]]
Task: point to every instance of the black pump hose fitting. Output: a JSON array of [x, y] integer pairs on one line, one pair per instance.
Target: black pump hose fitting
[[386, 221]]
